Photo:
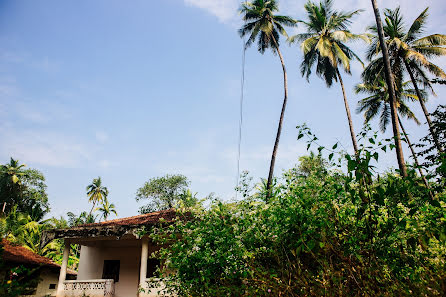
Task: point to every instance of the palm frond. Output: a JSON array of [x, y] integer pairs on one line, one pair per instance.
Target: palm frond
[[417, 26]]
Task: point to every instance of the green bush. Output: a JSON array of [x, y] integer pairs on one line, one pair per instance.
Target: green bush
[[324, 233]]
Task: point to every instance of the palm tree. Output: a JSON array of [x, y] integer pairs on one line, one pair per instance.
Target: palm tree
[[391, 88], [263, 24], [324, 46], [83, 218], [107, 209], [10, 182], [378, 104], [409, 49], [96, 192]]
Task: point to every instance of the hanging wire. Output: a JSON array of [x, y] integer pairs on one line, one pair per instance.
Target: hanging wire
[[240, 126]]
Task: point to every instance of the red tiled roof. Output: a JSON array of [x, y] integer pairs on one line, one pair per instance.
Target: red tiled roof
[[144, 219], [19, 254]]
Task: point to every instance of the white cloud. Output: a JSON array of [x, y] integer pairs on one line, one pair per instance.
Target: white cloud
[[224, 10], [43, 148]]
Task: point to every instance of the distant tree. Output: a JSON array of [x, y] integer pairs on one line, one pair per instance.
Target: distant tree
[[263, 25], [311, 164], [83, 218], [106, 209], [324, 47], [96, 192], [162, 192], [24, 188]]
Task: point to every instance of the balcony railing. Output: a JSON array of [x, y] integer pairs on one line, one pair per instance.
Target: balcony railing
[[151, 287], [91, 288]]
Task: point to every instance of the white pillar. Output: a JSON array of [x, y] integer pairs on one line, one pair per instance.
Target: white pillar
[[63, 270], [144, 257]]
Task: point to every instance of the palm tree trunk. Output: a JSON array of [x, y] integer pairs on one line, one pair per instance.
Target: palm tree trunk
[[349, 116], [423, 107], [414, 155], [390, 85], [94, 203], [279, 128]]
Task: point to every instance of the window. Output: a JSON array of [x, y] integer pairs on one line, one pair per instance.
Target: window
[[152, 264], [111, 270], [52, 286]]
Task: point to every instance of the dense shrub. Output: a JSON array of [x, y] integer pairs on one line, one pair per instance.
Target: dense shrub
[[325, 233]]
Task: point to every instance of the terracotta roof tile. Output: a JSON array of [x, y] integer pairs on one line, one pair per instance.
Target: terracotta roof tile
[[144, 219], [20, 255]]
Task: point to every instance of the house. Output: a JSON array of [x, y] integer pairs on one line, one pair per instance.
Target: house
[[46, 270], [114, 259]]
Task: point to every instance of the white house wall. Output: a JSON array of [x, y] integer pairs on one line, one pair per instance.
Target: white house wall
[[47, 277], [92, 260]]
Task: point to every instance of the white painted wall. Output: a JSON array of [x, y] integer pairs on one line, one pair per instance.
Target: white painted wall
[[48, 277], [92, 261]]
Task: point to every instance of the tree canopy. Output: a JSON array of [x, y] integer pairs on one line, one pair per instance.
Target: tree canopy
[[162, 192]]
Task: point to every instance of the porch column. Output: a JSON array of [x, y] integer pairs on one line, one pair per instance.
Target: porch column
[[63, 269], [144, 257]]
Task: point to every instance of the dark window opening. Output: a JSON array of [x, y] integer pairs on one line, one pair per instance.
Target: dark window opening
[[111, 270], [152, 265], [52, 286]]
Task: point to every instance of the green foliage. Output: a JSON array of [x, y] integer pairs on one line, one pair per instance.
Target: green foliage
[[16, 280], [324, 42], [96, 192], [163, 192], [263, 24], [323, 233], [107, 209], [24, 189], [407, 49], [435, 160], [377, 102]]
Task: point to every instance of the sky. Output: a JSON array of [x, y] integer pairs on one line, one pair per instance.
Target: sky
[[131, 90]]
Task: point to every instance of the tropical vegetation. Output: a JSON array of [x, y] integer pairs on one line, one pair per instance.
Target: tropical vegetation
[[333, 225]]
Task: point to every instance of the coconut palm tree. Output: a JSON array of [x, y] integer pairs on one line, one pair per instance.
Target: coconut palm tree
[[96, 192], [323, 46], [263, 25], [409, 51], [107, 209], [377, 103], [10, 183], [391, 88]]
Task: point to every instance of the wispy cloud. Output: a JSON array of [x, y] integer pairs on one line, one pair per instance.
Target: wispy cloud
[[29, 132], [224, 10], [43, 148]]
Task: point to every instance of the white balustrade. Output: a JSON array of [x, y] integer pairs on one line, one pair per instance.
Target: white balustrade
[[152, 287], [90, 288]]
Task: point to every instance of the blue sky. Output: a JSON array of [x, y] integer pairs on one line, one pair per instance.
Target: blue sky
[[133, 90]]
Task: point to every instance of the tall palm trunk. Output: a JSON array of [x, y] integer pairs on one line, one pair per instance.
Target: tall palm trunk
[[414, 155], [94, 203], [279, 128], [392, 97], [349, 116], [423, 107]]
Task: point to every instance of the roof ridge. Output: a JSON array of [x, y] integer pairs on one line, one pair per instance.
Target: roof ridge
[[155, 213]]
